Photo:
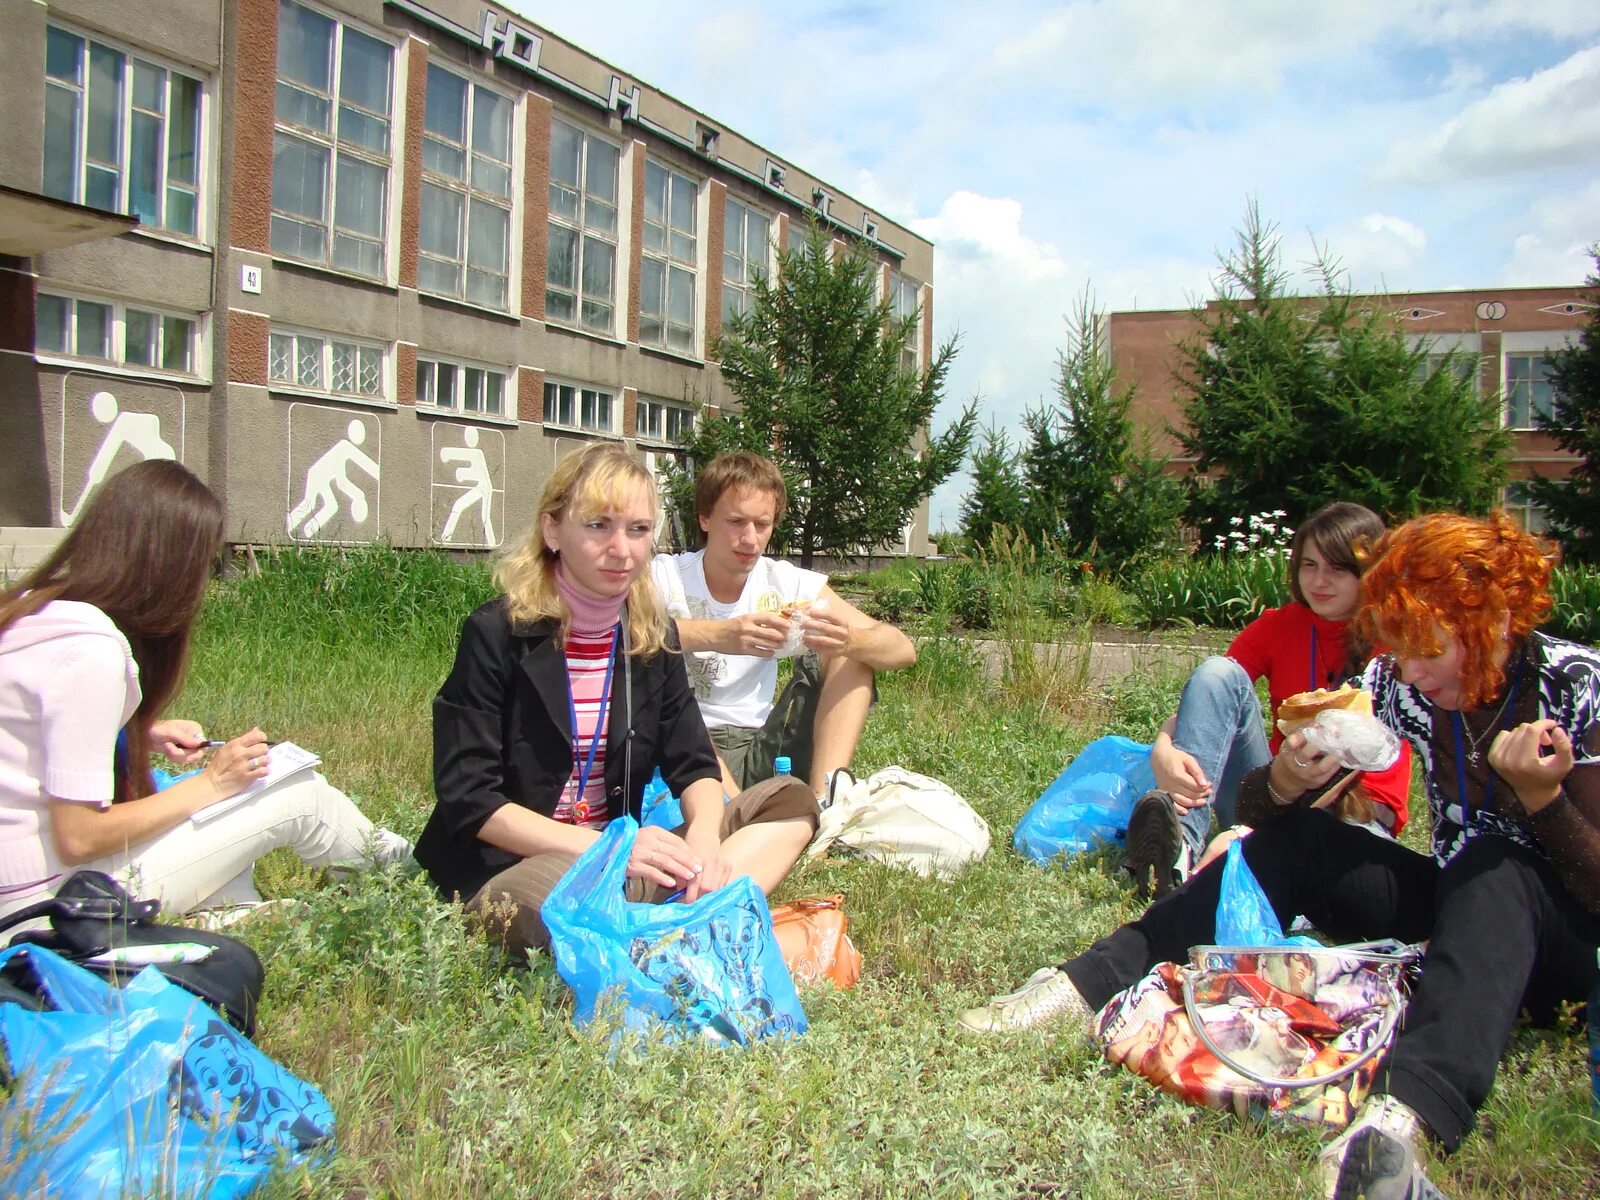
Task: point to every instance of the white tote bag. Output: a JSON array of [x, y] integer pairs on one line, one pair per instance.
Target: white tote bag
[[903, 819]]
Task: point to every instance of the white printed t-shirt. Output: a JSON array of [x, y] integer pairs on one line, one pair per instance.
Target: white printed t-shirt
[[733, 689]]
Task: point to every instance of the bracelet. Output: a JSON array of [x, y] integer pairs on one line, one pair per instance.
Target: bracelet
[[1280, 801]]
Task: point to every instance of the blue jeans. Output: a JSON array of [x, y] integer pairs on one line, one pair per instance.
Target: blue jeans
[[1219, 723]]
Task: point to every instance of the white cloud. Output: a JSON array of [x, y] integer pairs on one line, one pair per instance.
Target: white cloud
[[1554, 245], [1373, 252], [1550, 119]]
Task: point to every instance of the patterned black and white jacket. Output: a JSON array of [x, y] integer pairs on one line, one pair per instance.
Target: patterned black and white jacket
[[1569, 694]]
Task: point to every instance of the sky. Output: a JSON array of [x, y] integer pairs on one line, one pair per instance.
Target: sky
[[1109, 148]]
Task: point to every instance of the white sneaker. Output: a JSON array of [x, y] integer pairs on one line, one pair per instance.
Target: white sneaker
[[1047, 996], [1375, 1158]]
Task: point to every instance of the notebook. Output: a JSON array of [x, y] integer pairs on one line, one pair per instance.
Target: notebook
[[286, 762]]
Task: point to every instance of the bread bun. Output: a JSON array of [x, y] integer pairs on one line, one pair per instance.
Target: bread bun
[[795, 608], [1302, 708]]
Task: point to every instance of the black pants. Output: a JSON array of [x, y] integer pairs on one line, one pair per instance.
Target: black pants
[[1505, 935]]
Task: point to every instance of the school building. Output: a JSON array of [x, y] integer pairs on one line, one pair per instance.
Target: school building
[[369, 267], [1509, 332]]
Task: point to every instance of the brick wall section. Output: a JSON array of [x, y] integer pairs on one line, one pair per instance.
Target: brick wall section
[[927, 325], [405, 373], [530, 393], [716, 240], [535, 209], [411, 158], [247, 348], [16, 311], [636, 252], [630, 412], [254, 94]]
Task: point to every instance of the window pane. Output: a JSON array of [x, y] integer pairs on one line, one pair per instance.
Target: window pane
[[364, 71], [560, 306], [437, 276], [445, 112], [472, 390], [299, 177], [424, 382], [52, 332], [305, 47], [183, 131], [439, 230], [60, 142], [357, 254], [682, 247], [100, 187], [487, 238], [181, 210], [445, 386], [280, 357], [363, 129], [149, 87], [552, 400], [491, 176], [494, 400], [105, 104], [342, 375], [443, 158], [566, 149], [491, 124], [562, 261], [680, 297], [298, 239], [599, 263], [139, 338], [299, 107], [308, 361], [683, 204], [144, 169], [63, 55], [371, 371], [563, 202], [600, 176], [94, 329], [360, 197], [600, 217], [177, 344], [755, 241], [655, 193], [652, 287], [486, 289]]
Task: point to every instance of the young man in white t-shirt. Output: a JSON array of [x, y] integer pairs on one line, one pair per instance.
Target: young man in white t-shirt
[[739, 611]]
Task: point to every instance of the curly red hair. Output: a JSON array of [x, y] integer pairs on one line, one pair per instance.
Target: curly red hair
[[1476, 578]]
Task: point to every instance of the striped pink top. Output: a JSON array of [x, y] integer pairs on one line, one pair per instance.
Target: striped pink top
[[587, 656]]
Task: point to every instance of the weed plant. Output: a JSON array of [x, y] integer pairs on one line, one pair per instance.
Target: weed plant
[[457, 1074]]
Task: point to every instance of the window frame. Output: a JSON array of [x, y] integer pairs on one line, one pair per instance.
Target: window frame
[[911, 352], [581, 231], [338, 150], [576, 425], [470, 193], [325, 389], [460, 368], [1509, 386], [117, 336], [1514, 499], [655, 405], [741, 288], [128, 108], [674, 267]]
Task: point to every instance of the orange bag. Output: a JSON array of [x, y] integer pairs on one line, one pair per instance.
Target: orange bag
[[811, 934]]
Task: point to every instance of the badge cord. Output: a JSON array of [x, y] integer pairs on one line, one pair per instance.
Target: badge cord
[[580, 807]]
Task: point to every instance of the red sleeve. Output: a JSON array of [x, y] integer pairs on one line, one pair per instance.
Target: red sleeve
[[1392, 788], [1260, 643]]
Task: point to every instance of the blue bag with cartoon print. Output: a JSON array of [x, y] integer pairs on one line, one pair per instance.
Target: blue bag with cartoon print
[[710, 970], [141, 1090]]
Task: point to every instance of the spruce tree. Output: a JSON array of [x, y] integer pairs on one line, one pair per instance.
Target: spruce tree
[[1572, 505], [995, 502]]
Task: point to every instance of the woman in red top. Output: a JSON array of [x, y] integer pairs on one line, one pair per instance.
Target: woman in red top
[[1216, 736]]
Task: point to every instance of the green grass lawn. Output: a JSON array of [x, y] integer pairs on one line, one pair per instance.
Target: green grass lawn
[[453, 1074]]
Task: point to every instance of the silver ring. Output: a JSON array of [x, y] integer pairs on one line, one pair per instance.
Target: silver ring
[[255, 764], [1300, 764]]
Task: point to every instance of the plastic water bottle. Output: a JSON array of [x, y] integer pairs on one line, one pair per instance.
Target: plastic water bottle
[[1594, 1046], [782, 766]]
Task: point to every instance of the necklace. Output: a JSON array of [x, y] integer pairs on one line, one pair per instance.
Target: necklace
[[1475, 742]]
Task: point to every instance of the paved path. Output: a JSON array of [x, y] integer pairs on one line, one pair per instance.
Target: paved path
[[1108, 661]]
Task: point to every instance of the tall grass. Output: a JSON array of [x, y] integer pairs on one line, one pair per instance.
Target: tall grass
[[455, 1074]]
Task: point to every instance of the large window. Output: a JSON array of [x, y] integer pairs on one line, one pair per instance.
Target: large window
[[121, 133], [746, 237], [1463, 363], [581, 276], [1519, 503], [331, 145], [1528, 389], [465, 238], [579, 407], [461, 386], [667, 271], [903, 304], [325, 363], [663, 421], [110, 331]]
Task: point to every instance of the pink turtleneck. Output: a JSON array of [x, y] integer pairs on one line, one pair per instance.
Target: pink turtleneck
[[590, 613], [590, 646]]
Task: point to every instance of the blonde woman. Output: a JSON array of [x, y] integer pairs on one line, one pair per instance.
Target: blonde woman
[[567, 691]]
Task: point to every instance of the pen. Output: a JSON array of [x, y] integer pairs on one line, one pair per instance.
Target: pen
[[213, 744]]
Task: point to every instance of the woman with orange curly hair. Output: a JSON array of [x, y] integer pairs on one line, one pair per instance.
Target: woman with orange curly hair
[[1506, 722]]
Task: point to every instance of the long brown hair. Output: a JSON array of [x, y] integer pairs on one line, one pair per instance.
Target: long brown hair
[[141, 552], [1343, 531]]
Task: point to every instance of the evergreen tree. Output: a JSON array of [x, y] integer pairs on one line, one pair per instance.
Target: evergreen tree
[[995, 501], [1090, 490], [1297, 401], [816, 365], [1572, 505]]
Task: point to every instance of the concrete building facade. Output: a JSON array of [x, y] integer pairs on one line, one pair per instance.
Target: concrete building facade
[[394, 260], [1510, 332]]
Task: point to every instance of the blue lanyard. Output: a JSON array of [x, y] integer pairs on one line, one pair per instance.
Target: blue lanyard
[[1461, 756], [1315, 682], [599, 720]]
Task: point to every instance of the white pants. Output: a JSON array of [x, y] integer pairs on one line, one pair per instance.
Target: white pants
[[209, 862]]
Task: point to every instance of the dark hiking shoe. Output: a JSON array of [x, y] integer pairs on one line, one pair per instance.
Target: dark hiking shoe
[[1155, 843]]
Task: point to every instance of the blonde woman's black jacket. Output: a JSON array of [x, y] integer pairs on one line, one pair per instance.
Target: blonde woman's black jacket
[[502, 735]]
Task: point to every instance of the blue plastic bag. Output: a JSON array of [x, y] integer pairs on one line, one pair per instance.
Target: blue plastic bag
[[1244, 914], [1089, 803], [661, 807], [143, 1090], [710, 970]]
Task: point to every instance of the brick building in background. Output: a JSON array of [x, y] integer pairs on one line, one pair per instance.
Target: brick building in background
[[394, 260], [1511, 332]]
